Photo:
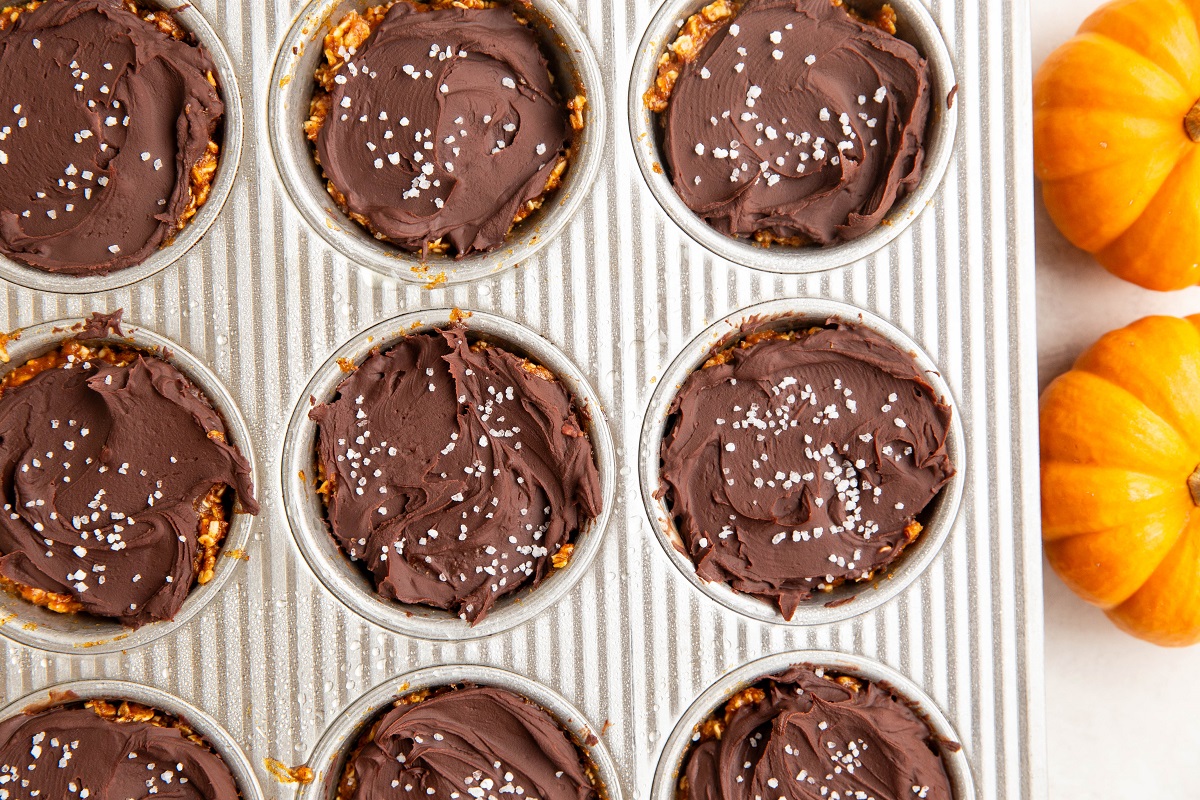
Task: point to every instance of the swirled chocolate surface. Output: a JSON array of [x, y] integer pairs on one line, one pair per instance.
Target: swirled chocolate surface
[[443, 125], [800, 735], [102, 469], [74, 753], [102, 117], [798, 121], [802, 461], [475, 742], [457, 472]]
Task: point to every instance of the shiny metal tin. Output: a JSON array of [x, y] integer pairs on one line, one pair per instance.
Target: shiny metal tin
[[105, 689], [328, 759], [915, 26], [261, 300], [849, 599], [347, 581], [575, 69], [78, 633], [193, 20], [666, 777]]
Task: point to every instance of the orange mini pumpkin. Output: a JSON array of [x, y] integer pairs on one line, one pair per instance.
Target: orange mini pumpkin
[[1117, 140], [1121, 478]]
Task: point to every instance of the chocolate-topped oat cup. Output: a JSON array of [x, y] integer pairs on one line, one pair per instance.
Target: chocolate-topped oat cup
[[129, 486], [119, 140], [448, 474], [104, 738], [437, 141], [793, 135], [802, 461]]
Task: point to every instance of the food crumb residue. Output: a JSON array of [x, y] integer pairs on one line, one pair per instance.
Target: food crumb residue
[[281, 772]]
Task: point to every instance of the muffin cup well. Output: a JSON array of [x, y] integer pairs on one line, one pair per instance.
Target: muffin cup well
[[107, 689], [350, 583], [82, 634], [328, 759], [666, 776], [915, 26], [190, 18], [848, 599], [575, 68]]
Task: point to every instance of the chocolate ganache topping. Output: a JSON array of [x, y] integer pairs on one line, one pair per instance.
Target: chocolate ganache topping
[[111, 462], [73, 752], [807, 734], [475, 741], [797, 122], [456, 474], [794, 462], [103, 118], [443, 126]]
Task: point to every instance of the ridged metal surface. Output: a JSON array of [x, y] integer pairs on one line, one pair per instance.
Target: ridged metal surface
[[264, 301]]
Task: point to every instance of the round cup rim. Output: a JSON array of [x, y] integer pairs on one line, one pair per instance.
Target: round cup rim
[[900, 575], [779, 260], [306, 191], [218, 739], [331, 747], [229, 159], [670, 755], [331, 566], [110, 636]]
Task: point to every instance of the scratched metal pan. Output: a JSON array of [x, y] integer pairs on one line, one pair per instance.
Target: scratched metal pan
[[575, 69], [346, 580], [915, 26], [107, 689], [850, 599], [81, 633], [191, 18], [328, 759]]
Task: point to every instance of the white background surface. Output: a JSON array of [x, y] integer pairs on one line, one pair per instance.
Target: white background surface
[[1123, 717]]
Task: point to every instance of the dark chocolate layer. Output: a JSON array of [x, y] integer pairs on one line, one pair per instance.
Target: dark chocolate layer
[[443, 125], [101, 469], [800, 463], [458, 473], [809, 737], [102, 117], [798, 121], [473, 743], [74, 753]]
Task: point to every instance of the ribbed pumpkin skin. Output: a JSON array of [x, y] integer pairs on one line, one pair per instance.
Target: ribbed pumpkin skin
[[1120, 439], [1120, 172]]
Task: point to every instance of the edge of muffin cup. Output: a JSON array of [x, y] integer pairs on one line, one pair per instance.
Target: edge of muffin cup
[[191, 18], [328, 758], [347, 581], [217, 738], [849, 599], [915, 26], [572, 61], [81, 634], [670, 761]]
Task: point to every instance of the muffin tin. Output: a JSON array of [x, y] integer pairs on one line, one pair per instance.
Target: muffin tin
[[610, 298]]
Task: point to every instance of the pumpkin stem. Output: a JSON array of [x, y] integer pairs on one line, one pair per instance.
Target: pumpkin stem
[[1191, 123], [1193, 483]]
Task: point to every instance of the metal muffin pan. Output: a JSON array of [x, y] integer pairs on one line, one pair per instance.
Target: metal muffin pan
[[106, 689], [620, 290], [849, 599], [191, 18], [348, 581], [81, 633], [915, 26], [575, 68], [666, 776], [328, 759]]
